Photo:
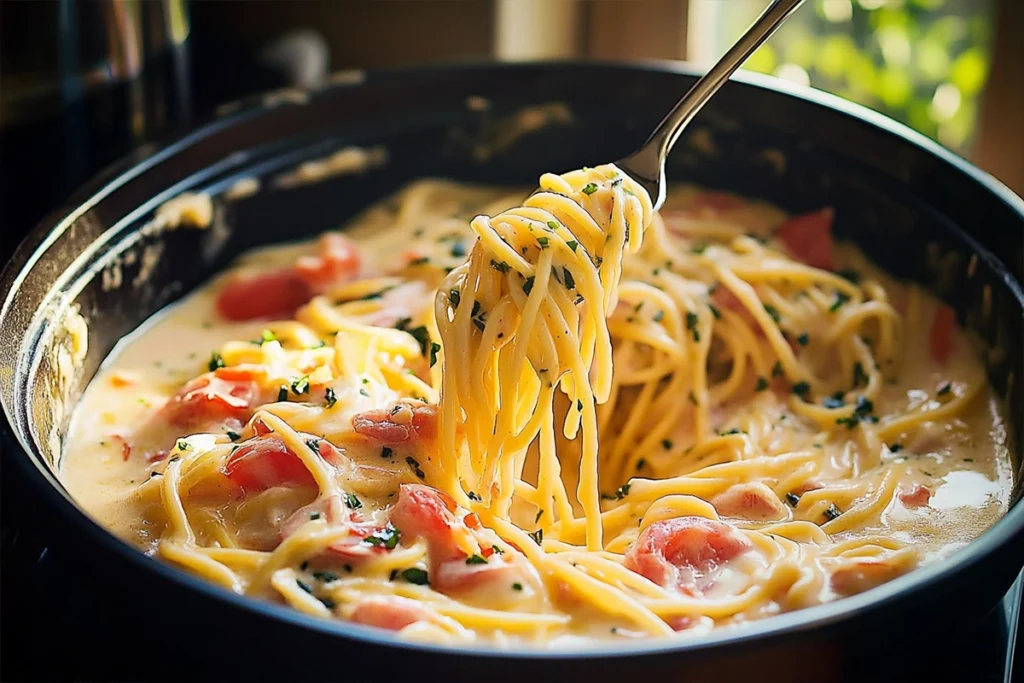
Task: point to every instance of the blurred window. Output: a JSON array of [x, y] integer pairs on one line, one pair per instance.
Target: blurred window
[[922, 62]]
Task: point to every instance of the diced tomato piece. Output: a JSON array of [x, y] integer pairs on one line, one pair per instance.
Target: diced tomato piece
[[673, 551], [421, 511], [749, 500], [332, 511], [226, 393], [915, 496], [455, 576], [336, 262], [120, 380], [392, 612], [259, 428], [724, 298], [126, 448], [716, 201], [809, 238], [864, 574], [382, 425], [940, 342], [275, 294], [265, 462], [681, 623]]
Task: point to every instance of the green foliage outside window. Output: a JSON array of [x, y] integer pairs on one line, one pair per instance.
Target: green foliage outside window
[[922, 62]]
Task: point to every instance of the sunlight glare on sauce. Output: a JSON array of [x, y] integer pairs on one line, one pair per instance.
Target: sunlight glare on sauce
[[965, 489]]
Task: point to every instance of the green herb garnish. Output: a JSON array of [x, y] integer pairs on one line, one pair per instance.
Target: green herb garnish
[[385, 538], [300, 385], [415, 575]]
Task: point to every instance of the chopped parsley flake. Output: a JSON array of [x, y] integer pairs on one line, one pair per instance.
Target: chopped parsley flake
[[182, 445], [666, 444], [282, 394], [840, 300], [543, 242], [553, 225], [385, 538], [833, 402], [761, 385], [476, 559], [216, 361], [314, 515], [691, 324], [458, 250], [500, 267], [386, 452], [693, 399], [589, 189], [415, 575], [419, 333], [304, 586], [777, 369], [234, 436], [861, 413], [572, 244], [325, 577], [715, 312], [944, 389], [352, 500], [640, 464], [537, 536], [570, 283], [414, 465], [659, 316], [832, 512], [699, 249], [801, 389], [792, 499], [804, 339], [517, 586], [895, 448], [528, 285], [454, 296], [473, 495], [300, 385], [860, 378], [773, 312], [434, 348]]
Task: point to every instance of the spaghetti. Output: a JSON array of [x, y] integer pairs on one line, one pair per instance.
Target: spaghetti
[[579, 418]]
